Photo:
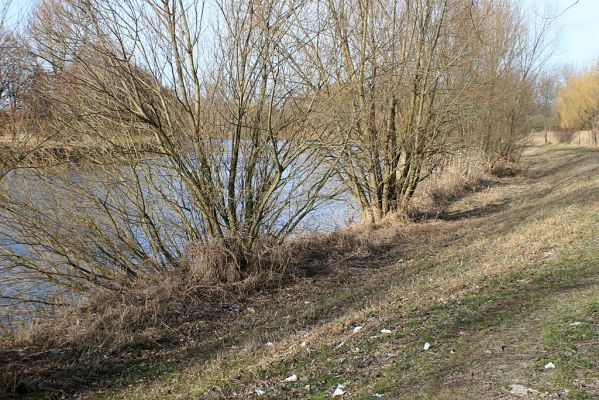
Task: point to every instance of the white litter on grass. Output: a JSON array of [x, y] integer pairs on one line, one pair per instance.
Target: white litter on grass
[[520, 390], [269, 344], [385, 331], [426, 346], [549, 365], [576, 323], [341, 344], [259, 391], [303, 344], [339, 391], [379, 395], [357, 329], [292, 378]]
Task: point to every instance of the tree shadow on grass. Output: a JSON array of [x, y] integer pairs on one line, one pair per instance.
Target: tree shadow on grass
[[457, 215]]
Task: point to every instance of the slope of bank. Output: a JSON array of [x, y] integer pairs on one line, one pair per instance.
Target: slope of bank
[[501, 284]]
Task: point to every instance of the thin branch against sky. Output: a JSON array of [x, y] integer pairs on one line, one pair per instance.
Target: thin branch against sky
[[563, 11], [577, 33]]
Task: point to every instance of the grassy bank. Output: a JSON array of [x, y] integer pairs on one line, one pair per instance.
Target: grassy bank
[[501, 283]]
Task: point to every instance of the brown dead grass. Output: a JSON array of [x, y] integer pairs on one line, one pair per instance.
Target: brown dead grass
[[90, 343], [111, 334], [90, 340], [268, 263], [465, 254], [460, 178]]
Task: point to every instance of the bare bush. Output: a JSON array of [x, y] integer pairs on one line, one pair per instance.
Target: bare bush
[[189, 139]]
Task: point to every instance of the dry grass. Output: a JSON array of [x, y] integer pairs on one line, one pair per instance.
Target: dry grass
[[233, 261], [489, 270], [114, 336], [56, 353], [268, 263], [461, 176], [110, 331]]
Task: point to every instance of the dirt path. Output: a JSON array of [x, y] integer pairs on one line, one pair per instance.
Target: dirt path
[[493, 286]]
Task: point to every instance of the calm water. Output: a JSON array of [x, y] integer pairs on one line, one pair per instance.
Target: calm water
[[98, 208]]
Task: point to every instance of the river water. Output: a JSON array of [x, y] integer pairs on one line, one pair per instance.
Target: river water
[[79, 220]]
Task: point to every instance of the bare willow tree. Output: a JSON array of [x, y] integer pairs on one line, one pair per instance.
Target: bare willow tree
[[10, 83], [22, 112], [390, 67], [512, 50], [197, 129], [577, 102]]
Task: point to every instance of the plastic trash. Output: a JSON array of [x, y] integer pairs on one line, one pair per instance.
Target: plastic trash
[[426, 346], [292, 378], [339, 391], [549, 365], [357, 329], [520, 390], [385, 331], [259, 391]]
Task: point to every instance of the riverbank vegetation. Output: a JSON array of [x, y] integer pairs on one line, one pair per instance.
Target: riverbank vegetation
[[252, 115], [502, 272], [162, 158]]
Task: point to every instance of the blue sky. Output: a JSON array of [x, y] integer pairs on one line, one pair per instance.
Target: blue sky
[[576, 28]]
